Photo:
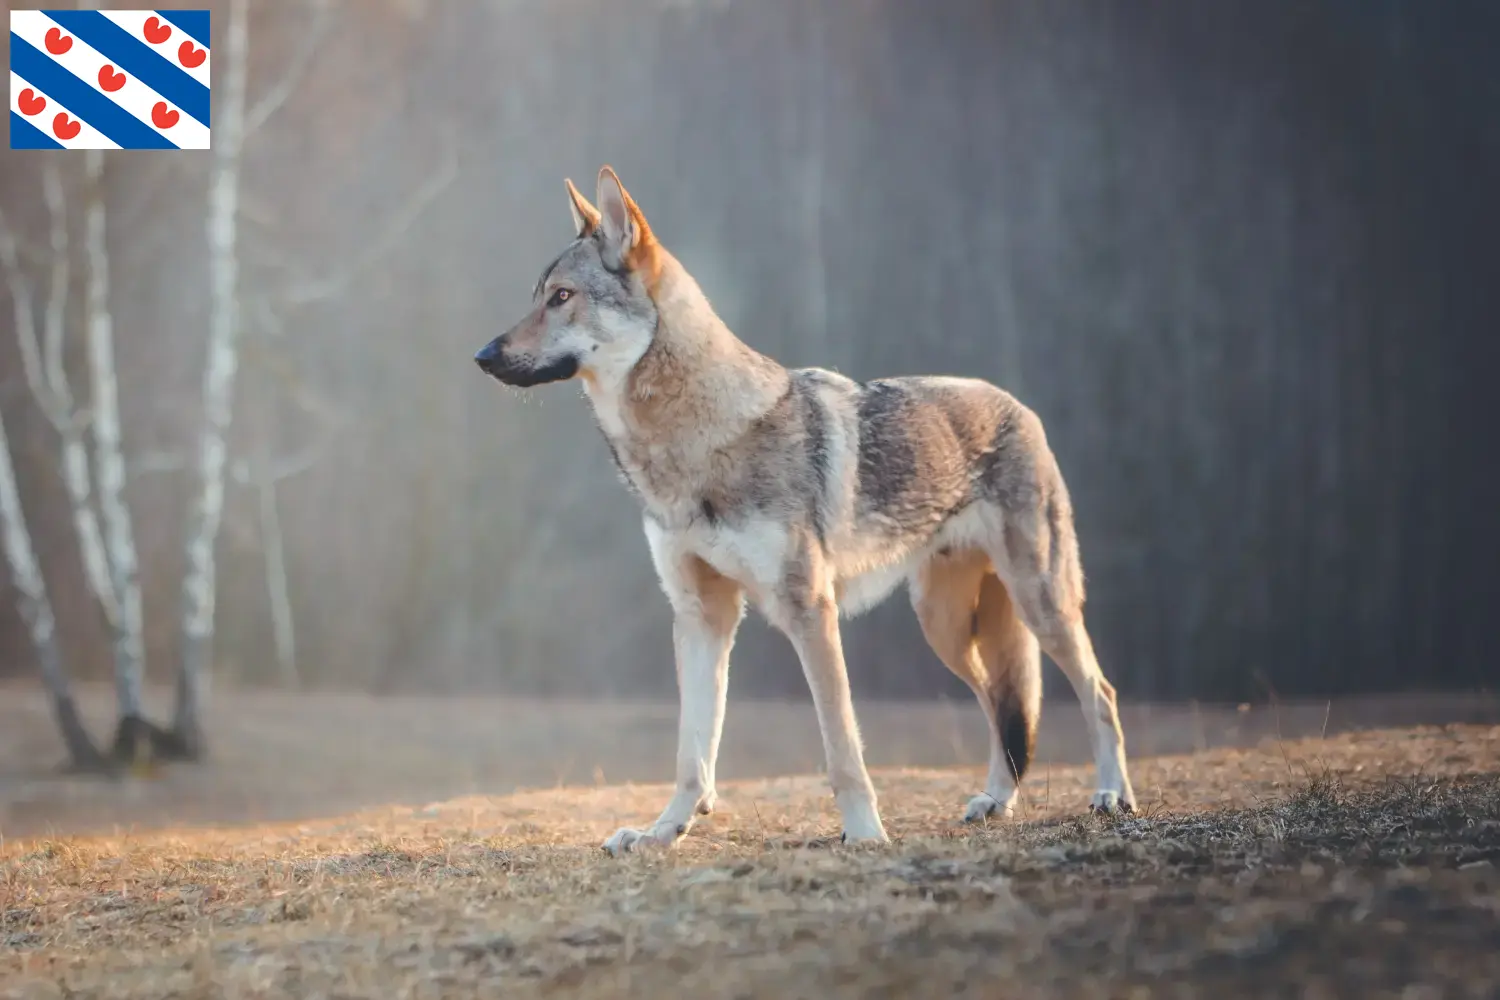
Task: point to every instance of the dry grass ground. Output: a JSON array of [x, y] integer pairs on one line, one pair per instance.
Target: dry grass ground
[[279, 757], [1360, 865]]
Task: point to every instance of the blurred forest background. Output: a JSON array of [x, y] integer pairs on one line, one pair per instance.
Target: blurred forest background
[[1241, 258]]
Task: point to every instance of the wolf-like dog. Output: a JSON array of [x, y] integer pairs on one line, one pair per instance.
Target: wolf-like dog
[[809, 494]]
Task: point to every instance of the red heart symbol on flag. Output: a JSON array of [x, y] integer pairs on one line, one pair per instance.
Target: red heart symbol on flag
[[155, 31], [161, 117], [64, 129], [57, 42], [189, 56], [31, 102], [109, 79]]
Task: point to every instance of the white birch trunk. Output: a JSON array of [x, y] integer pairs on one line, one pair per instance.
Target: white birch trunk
[[36, 612], [46, 376], [48, 382], [109, 456], [75, 473], [218, 384]]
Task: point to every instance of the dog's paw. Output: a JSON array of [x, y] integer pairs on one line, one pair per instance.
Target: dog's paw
[[878, 837], [865, 829], [985, 805], [627, 841], [1109, 801]]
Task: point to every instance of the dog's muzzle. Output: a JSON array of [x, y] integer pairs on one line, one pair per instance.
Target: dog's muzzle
[[492, 361]]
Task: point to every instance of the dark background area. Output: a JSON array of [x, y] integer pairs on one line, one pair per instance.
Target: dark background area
[[1240, 257]]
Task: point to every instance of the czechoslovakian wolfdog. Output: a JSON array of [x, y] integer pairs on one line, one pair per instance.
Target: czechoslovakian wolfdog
[[808, 494]]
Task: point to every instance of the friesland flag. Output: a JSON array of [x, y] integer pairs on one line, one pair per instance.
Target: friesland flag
[[109, 79]]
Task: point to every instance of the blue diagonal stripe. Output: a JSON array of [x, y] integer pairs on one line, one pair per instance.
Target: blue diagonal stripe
[[194, 22], [138, 59], [24, 135], [81, 99]]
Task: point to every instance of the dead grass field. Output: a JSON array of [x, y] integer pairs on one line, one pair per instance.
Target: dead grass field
[[1358, 865], [278, 757]]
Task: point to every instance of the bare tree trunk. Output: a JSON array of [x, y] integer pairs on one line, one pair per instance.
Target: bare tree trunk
[[42, 364], [36, 611], [46, 377], [277, 591], [218, 388], [109, 464], [265, 478]]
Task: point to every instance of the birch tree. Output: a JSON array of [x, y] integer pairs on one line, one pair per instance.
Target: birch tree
[[264, 476], [108, 554], [234, 121], [36, 612], [47, 380], [109, 470], [207, 507]]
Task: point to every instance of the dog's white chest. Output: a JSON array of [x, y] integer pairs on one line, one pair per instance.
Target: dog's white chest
[[753, 554]]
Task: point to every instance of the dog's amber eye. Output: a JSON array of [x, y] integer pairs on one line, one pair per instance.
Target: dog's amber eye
[[560, 296]]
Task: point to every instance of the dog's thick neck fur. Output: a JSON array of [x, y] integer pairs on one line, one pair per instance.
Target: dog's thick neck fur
[[695, 364], [695, 389]]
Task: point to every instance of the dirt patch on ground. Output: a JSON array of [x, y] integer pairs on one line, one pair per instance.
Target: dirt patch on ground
[[1363, 865]]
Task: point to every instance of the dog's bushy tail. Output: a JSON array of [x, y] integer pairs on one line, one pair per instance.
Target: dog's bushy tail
[[1013, 664]]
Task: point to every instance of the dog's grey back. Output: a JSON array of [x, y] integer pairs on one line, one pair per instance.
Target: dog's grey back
[[880, 471]]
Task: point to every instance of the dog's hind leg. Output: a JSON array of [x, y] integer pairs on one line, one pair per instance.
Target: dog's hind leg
[[1038, 561], [968, 619]]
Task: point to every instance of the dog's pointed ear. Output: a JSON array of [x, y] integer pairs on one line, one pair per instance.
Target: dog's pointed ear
[[585, 216], [624, 227]]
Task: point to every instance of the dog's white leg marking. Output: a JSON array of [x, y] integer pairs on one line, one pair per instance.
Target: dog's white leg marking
[[707, 608], [1000, 791], [1038, 561], [814, 633], [1067, 642]]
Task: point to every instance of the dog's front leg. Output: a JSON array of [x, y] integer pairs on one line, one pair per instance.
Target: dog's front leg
[[707, 610], [813, 628]]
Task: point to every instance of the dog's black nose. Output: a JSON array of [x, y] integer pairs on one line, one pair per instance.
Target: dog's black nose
[[487, 357]]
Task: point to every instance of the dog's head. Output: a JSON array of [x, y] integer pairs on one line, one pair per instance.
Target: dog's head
[[592, 311]]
